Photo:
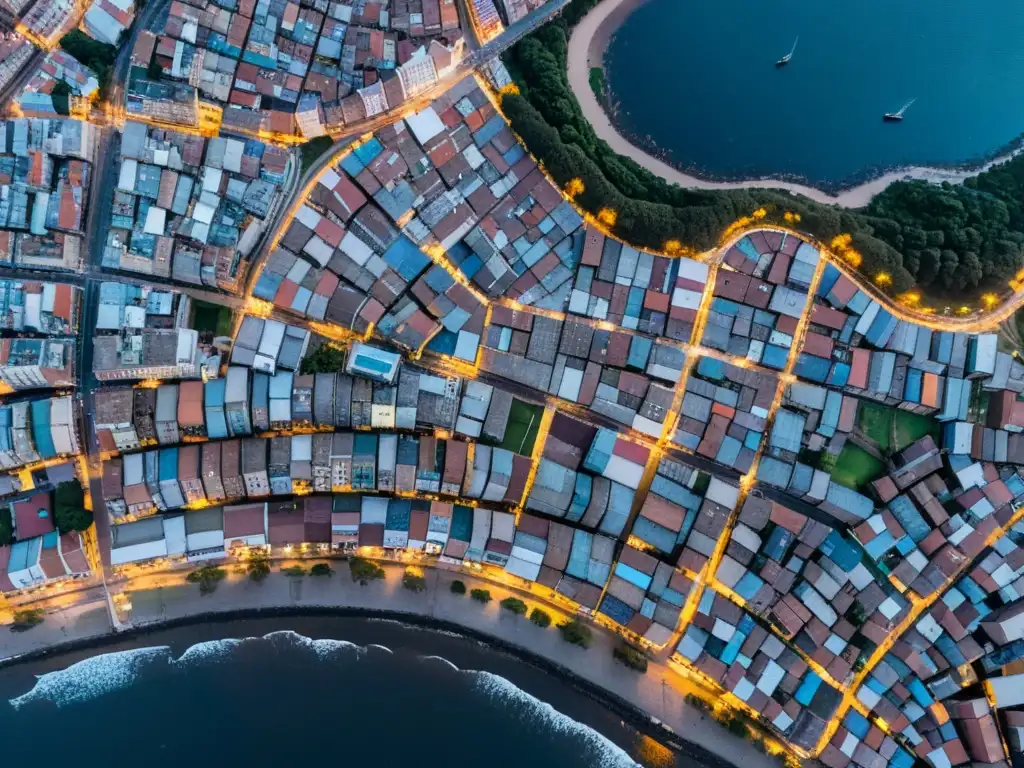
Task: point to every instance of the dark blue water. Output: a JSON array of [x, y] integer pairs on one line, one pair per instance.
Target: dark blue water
[[397, 696], [699, 79]]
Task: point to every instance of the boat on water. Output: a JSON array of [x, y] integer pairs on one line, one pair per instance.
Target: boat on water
[[893, 117], [785, 59]]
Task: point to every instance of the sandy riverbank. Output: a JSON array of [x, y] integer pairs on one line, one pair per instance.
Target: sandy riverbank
[[587, 48], [163, 599]]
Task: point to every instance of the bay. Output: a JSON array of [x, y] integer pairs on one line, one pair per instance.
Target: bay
[[698, 80], [261, 692]]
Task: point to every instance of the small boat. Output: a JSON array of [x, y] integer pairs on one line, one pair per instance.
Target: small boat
[[896, 116], [785, 59]]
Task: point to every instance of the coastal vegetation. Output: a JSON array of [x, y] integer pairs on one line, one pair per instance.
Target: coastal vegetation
[[414, 580], [541, 618], [26, 619], [950, 241], [576, 632], [207, 577], [631, 656], [597, 82], [69, 512], [364, 571], [258, 566], [515, 605], [481, 595], [6, 527], [458, 587]]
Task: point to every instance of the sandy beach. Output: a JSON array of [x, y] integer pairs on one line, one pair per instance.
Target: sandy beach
[[587, 47]]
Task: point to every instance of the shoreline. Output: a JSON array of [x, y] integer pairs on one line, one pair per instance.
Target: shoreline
[[636, 718], [587, 47], [163, 601]]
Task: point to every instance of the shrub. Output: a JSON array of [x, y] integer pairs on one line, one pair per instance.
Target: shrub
[[258, 566], [514, 604], [26, 619], [632, 657], [576, 632], [481, 595], [207, 577], [414, 580], [541, 618], [733, 722], [294, 570], [364, 571], [458, 588], [321, 569], [697, 702]]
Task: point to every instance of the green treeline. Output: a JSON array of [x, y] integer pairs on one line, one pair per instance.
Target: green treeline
[[947, 239]]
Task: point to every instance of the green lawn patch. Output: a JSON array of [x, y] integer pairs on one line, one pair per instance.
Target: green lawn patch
[[855, 467], [521, 430], [913, 426], [875, 421]]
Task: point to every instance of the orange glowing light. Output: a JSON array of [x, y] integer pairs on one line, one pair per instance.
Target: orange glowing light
[[883, 278], [607, 216]]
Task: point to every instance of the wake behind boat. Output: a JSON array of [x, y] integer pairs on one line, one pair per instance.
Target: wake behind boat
[[896, 116], [785, 59]]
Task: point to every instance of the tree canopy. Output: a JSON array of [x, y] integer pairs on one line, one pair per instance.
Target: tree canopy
[[948, 239], [69, 512], [324, 359]]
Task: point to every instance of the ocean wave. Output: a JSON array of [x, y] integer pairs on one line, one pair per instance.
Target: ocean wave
[[605, 752], [93, 677], [443, 660], [208, 651], [381, 647], [324, 648]]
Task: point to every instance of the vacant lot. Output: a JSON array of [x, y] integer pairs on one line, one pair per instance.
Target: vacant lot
[[876, 421], [855, 467]]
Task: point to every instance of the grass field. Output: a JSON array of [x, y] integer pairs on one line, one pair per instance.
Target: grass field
[[522, 427], [210, 317], [876, 422], [855, 467]]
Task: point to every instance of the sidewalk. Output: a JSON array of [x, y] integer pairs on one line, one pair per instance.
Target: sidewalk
[[166, 596]]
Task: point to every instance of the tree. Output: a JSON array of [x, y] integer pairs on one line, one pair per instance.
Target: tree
[[321, 569], [576, 632], [69, 512], [631, 656], [296, 571], [6, 527], [515, 605], [481, 595], [458, 587], [325, 359], [364, 571], [413, 580], [258, 566], [26, 619], [207, 577], [541, 618]]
